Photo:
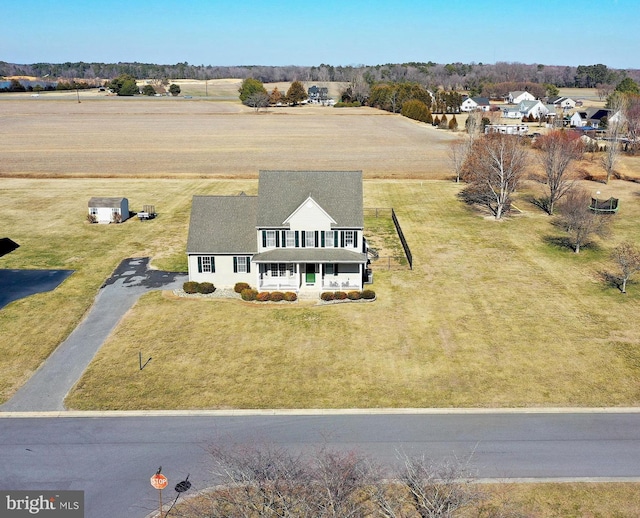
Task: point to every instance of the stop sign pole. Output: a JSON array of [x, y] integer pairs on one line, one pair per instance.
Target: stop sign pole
[[159, 481]]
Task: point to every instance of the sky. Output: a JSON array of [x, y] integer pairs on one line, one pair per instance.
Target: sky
[[280, 33]]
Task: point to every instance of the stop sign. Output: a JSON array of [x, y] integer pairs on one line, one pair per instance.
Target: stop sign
[[159, 481]]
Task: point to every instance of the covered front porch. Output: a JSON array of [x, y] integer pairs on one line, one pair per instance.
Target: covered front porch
[[335, 270]]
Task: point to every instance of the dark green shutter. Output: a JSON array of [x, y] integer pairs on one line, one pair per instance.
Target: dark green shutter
[[322, 239], [264, 238], [335, 238], [335, 269], [315, 239], [304, 239], [355, 239], [277, 239], [213, 265], [235, 265], [297, 241], [342, 239], [284, 239], [248, 264], [199, 264]]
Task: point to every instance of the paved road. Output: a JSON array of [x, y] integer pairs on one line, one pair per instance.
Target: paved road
[[50, 384], [112, 458]]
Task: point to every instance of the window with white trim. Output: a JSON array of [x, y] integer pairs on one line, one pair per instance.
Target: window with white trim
[[348, 238], [206, 264], [241, 264], [291, 238], [280, 269], [328, 238], [310, 239], [270, 237]]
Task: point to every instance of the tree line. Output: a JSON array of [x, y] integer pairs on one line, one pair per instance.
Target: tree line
[[473, 77]]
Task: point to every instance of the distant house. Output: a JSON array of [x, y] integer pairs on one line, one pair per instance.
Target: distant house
[[303, 232], [109, 210], [518, 96], [591, 117], [508, 129], [565, 103], [524, 109], [318, 94], [471, 104], [578, 119]]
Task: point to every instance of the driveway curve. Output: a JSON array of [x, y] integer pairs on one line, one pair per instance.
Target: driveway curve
[[50, 384]]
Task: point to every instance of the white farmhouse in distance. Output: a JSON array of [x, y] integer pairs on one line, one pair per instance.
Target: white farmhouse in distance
[[518, 96]]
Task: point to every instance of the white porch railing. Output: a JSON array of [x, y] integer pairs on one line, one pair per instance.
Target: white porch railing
[[278, 284], [340, 284]]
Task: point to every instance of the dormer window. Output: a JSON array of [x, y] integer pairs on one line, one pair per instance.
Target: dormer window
[[270, 238]]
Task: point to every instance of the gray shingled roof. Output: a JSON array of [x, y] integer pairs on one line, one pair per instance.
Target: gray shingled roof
[[310, 255], [105, 201], [223, 225], [339, 193]]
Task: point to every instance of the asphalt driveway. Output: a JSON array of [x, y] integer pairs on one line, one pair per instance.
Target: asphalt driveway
[[49, 385]]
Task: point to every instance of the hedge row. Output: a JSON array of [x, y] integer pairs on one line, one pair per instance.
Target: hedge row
[[198, 287], [351, 295], [266, 296]]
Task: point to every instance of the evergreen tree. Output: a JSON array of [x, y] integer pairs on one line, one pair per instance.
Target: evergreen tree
[[296, 93], [249, 88]]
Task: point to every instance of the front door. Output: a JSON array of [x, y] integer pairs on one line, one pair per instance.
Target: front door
[[310, 273]]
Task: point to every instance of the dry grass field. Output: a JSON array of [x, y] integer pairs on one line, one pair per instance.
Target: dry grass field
[[177, 137], [493, 314]]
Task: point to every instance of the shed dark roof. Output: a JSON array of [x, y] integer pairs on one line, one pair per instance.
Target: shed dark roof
[[223, 225], [106, 201], [339, 193]]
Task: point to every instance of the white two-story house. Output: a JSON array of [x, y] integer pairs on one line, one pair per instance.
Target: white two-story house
[[303, 232]]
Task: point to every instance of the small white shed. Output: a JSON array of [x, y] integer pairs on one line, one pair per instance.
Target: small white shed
[[108, 210]]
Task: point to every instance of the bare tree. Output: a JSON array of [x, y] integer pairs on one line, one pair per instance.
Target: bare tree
[[627, 256], [495, 167], [557, 150], [458, 153], [430, 489], [579, 221], [473, 125], [613, 134], [631, 115], [339, 479], [270, 481], [604, 90], [258, 100]]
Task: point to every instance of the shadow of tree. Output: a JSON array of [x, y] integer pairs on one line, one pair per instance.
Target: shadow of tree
[[559, 242], [541, 202], [563, 242], [611, 280]]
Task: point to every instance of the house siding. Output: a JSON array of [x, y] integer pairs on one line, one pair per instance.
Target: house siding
[[224, 276]]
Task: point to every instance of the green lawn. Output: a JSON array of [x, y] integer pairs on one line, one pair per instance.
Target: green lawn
[[493, 314]]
